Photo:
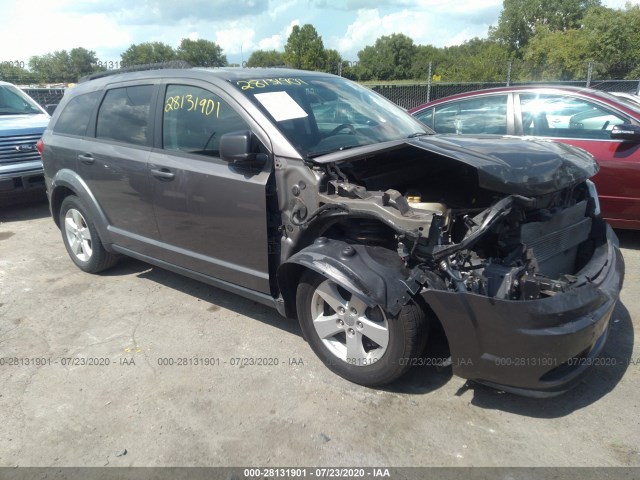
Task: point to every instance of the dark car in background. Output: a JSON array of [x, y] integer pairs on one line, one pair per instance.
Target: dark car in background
[[606, 126], [314, 195], [22, 122]]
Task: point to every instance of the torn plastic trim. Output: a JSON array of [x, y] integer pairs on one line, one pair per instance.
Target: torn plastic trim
[[375, 275]]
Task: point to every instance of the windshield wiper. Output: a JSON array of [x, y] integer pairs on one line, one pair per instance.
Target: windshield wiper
[[319, 154], [417, 134]]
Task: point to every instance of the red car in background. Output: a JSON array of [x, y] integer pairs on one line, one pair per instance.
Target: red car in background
[[606, 126]]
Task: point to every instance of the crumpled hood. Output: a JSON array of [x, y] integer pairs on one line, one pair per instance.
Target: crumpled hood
[[23, 124], [508, 165]]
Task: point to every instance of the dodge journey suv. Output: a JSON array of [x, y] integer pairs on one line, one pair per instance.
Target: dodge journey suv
[[312, 194]]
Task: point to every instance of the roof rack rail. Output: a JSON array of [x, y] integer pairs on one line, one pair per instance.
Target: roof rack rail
[[136, 68]]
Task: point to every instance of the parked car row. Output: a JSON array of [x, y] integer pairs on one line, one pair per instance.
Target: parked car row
[[605, 125]]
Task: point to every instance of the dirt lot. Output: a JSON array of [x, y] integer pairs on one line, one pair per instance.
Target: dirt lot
[[135, 409]]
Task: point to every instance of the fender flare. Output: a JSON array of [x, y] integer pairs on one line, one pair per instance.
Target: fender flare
[[376, 275], [68, 179]]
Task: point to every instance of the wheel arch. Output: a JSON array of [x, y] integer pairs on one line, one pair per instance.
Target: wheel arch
[[375, 274], [66, 183]]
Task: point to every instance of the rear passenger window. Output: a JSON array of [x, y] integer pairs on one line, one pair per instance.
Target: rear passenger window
[[75, 117], [195, 119], [124, 115]]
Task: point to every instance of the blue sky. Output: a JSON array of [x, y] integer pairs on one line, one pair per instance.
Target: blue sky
[[109, 27]]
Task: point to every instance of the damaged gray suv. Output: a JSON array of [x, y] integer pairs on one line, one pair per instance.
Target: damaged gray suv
[[309, 193]]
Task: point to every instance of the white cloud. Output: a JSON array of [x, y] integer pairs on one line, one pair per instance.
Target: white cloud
[[236, 39], [292, 24], [274, 12], [274, 42]]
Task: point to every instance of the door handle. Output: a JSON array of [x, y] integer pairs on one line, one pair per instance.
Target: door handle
[[163, 173], [86, 158]]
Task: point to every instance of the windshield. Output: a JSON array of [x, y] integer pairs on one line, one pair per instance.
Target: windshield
[[15, 102], [320, 115]]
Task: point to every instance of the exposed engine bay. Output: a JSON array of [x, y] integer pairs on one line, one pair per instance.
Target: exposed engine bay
[[465, 238]]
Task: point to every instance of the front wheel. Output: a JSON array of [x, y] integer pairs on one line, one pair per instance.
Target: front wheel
[[363, 344]]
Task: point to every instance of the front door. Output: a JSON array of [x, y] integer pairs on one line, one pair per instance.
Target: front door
[[212, 217]]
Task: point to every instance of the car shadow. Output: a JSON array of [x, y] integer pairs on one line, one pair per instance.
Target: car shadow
[[216, 297], [430, 371], [32, 207], [629, 239]]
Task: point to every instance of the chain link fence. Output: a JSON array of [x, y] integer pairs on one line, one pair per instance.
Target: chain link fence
[[406, 94], [413, 95]]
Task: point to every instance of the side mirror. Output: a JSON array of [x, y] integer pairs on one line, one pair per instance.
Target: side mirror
[[235, 147], [626, 131]]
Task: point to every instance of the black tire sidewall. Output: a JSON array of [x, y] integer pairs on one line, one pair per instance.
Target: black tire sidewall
[[394, 362], [98, 253]]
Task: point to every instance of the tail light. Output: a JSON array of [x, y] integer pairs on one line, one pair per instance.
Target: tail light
[[40, 146]]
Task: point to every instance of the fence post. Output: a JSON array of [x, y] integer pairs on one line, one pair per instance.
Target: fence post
[[589, 73], [429, 83], [509, 66]]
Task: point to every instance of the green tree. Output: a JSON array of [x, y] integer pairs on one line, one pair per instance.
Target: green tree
[[305, 49], [614, 40], [62, 66], [390, 58], [266, 58], [476, 60], [148, 52], [333, 62], [425, 55], [15, 72], [559, 55], [82, 62], [201, 53], [520, 19]]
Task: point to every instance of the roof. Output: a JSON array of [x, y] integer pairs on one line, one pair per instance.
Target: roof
[[224, 73]]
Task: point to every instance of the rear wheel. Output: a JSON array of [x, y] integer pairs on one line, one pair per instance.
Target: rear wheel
[[81, 237], [363, 344]]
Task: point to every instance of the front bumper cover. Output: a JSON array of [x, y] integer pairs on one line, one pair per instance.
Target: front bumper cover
[[537, 347]]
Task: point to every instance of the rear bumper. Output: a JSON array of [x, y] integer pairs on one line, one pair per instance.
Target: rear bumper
[[538, 347], [26, 180]]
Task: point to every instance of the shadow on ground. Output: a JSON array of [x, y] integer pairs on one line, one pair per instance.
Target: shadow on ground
[[629, 239], [29, 208], [217, 297], [430, 372]]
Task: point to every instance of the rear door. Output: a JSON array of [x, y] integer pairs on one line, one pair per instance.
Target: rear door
[[114, 164], [212, 216]]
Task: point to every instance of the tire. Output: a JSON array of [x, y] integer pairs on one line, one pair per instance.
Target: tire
[[365, 345], [81, 238]]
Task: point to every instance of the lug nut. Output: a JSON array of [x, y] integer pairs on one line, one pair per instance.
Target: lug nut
[[352, 332], [340, 323], [341, 310], [359, 325]]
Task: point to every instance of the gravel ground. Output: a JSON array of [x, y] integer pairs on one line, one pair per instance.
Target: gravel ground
[[135, 409]]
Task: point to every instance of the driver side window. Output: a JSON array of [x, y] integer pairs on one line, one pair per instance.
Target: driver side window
[[195, 119], [562, 116]]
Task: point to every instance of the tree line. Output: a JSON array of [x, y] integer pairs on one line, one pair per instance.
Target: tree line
[[536, 39]]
